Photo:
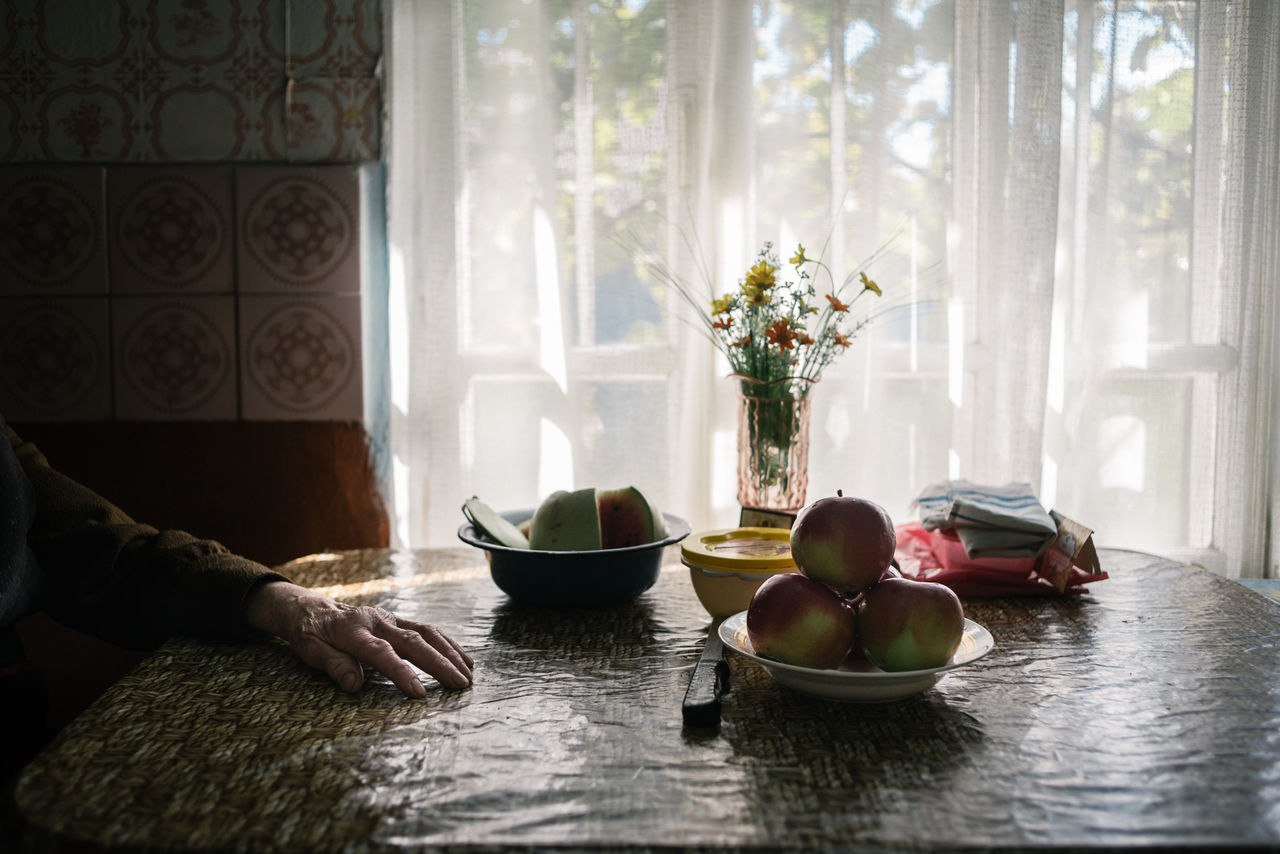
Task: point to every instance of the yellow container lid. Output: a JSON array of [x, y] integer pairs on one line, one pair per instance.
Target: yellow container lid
[[739, 550]]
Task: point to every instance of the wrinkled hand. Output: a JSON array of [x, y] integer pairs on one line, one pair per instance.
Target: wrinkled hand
[[343, 639]]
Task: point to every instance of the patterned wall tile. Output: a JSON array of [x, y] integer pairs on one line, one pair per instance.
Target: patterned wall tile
[[90, 35], [170, 230], [300, 358], [333, 38], [154, 80], [221, 134], [298, 230], [198, 32], [175, 359], [51, 231], [54, 360], [333, 119]]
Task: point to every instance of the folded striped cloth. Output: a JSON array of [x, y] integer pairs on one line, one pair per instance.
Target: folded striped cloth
[[991, 521]]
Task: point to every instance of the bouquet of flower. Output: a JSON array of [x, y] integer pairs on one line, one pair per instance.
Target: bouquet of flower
[[779, 335]]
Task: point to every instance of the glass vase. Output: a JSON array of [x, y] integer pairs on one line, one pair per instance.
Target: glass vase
[[773, 446]]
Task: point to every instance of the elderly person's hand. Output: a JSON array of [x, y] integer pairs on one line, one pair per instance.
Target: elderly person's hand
[[343, 639]]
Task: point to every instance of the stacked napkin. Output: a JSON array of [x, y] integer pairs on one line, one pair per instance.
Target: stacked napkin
[[995, 541], [991, 521]]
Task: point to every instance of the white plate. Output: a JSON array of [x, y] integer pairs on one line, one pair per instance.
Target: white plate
[[862, 682]]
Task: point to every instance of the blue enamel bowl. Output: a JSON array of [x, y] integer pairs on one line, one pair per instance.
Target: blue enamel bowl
[[600, 578]]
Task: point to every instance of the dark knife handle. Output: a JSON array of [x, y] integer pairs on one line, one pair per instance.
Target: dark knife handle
[[702, 701]]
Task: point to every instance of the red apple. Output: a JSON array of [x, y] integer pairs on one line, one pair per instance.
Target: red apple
[[796, 620], [910, 625], [846, 543]]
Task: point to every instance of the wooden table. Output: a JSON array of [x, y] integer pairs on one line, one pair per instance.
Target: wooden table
[[1144, 713]]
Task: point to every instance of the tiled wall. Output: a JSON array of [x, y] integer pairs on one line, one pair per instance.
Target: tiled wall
[[183, 80], [142, 292], [184, 231]]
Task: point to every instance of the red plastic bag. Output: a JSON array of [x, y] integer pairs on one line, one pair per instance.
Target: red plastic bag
[[938, 556]]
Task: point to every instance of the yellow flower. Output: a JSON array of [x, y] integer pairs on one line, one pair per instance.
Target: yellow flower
[[798, 258], [869, 285], [836, 305], [761, 276], [722, 305], [755, 296]]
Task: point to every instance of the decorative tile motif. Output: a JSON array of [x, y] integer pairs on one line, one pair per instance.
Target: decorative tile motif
[[53, 359], [51, 222], [150, 80], [175, 358], [333, 38], [86, 122], [170, 230], [299, 230], [300, 358], [191, 32], [317, 105]]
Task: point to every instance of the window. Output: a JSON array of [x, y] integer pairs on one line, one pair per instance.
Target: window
[[1072, 208]]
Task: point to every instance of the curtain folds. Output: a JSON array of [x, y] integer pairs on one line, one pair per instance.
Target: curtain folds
[[1073, 208]]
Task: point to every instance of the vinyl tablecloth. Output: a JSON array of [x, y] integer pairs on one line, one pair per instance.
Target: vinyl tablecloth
[[1144, 712]]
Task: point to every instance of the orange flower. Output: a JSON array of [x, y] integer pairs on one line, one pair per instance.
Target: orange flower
[[805, 339], [842, 341], [742, 342], [780, 334], [723, 323], [836, 305]]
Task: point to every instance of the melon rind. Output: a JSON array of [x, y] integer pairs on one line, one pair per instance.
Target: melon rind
[[498, 529]]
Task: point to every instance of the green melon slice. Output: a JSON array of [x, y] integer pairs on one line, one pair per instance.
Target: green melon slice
[[660, 531], [494, 526], [566, 521]]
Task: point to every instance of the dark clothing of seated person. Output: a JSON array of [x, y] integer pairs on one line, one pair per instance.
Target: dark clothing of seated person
[[69, 552]]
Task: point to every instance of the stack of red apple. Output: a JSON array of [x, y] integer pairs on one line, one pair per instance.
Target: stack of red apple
[[847, 598]]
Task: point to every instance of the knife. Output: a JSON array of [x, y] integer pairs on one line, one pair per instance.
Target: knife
[[710, 679]]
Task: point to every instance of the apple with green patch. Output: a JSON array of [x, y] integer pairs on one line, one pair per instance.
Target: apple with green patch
[[844, 542], [796, 620], [905, 624]]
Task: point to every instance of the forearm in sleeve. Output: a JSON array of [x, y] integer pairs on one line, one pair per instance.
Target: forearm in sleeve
[[127, 582]]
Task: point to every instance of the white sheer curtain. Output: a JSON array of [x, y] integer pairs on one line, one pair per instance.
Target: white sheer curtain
[[1080, 203]]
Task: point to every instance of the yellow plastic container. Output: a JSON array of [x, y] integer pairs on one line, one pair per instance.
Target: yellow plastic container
[[726, 566]]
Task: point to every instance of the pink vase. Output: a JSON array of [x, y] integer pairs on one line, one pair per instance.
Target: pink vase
[[773, 448]]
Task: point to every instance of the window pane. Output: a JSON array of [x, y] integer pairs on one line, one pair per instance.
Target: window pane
[[882, 415], [620, 449], [629, 167], [1141, 105], [507, 192]]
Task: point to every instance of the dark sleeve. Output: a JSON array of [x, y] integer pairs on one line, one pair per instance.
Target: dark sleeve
[[126, 582]]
